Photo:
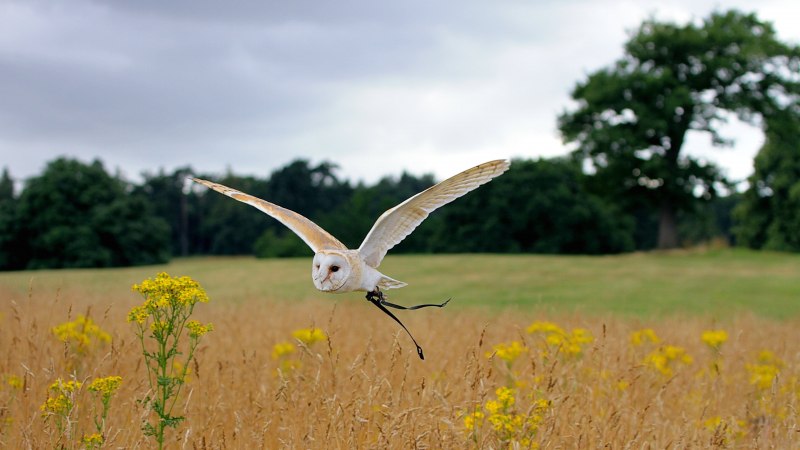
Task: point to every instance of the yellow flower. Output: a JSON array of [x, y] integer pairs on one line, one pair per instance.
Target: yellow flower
[[309, 336], [65, 386], [82, 332], [505, 396], [762, 375], [712, 423], [639, 337], [472, 418], [493, 406], [507, 351], [714, 338], [106, 386], [60, 405], [570, 344], [544, 327], [14, 381], [166, 291], [138, 314], [767, 357], [581, 336], [282, 349], [288, 365], [662, 359], [93, 440], [197, 329]]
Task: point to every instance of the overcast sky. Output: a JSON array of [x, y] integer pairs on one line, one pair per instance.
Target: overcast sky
[[377, 87]]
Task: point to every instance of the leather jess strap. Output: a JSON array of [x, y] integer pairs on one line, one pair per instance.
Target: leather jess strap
[[376, 298]]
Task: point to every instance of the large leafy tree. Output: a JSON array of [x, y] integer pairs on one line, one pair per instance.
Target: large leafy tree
[[77, 215], [769, 213], [632, 118]]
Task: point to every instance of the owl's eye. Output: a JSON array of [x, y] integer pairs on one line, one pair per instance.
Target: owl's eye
[[316, 266], [334, 268]]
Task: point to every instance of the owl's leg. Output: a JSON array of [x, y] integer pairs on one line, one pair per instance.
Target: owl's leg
[[375, 295]]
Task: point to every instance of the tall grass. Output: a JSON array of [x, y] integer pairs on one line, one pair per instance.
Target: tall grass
[[364, 387]]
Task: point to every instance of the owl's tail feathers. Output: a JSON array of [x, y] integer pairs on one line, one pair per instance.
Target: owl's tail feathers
[[390, 283]]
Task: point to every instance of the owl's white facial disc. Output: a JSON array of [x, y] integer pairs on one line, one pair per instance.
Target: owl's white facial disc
[[330, 271]]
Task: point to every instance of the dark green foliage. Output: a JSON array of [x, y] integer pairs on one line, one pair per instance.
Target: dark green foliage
[[172, 200], [769, 215], [536, 207], [10, 242], [632, 118], [77, 215], [228, 227], [351, 222], [285, 244]]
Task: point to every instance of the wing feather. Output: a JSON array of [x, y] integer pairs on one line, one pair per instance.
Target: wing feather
[[311, 233], [397, 223]]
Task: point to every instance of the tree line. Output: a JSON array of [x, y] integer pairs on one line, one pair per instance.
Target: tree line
[[77, 215], [626, 186]]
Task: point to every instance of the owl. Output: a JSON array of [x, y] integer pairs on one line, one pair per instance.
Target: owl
[[337, 269]]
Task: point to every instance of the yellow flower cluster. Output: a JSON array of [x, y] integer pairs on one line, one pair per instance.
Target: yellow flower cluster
[[509, 425], [664, 358], [282, 349], [714, 338], [14, 381], [309, 336], [197, 329], [647, 335], [508, 352], [82, 333], [165, 291], [472, 418], [61, 403], [765, 371], [65, 386], [727, 428], [93, 440], [106, 386], [570, 344], [281, 352], [544, 327]]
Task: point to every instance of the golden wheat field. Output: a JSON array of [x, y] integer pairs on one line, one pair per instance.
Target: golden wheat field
[[321, 374]]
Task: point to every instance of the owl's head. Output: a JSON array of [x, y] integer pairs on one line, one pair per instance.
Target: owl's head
[[330, 271]]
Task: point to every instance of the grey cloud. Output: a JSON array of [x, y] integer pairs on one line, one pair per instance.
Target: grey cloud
[[252, 84]]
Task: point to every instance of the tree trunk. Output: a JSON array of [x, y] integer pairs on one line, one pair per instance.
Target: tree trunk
[[667, 227]]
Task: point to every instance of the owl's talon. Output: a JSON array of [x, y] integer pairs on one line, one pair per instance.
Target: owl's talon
[[375, 295]]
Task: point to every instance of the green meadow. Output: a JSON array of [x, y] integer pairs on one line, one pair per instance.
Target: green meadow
[[691, 282]]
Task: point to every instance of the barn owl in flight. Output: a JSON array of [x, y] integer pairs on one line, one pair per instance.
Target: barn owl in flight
[[337, 269]]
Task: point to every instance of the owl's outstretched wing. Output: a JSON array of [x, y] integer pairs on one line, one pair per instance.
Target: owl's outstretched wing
[[397, 223], [316, 238]]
